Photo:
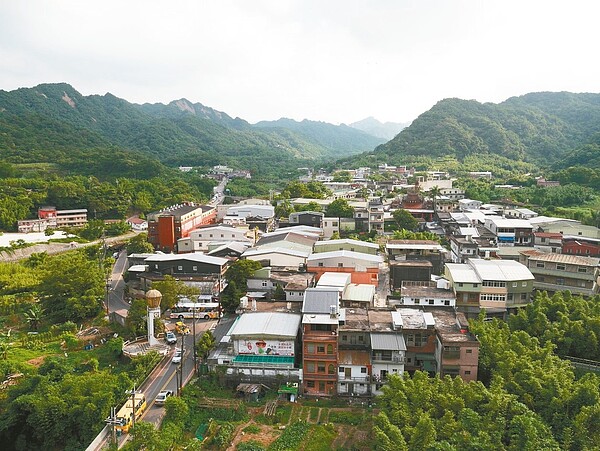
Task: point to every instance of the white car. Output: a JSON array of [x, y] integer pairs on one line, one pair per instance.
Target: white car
[[177, 356], [171, 338], [162, 397]]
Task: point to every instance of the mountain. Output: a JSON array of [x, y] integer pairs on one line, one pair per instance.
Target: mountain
[[329, 136], [382, 130], [538, 127], [35, 122]]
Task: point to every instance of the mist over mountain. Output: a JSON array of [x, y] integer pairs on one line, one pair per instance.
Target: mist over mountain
[[382, 130]]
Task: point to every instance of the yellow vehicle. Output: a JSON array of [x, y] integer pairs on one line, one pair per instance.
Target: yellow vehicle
[[182, 328], [134, 406]]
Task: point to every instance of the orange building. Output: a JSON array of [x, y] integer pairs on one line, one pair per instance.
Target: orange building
[[364, 268], [166, 226]]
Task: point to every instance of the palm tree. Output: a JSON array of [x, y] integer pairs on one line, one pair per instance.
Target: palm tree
[[4, 344], [34, 316]]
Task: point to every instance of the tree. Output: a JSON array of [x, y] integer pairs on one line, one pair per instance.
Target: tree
[[72, 287], [339, 208], [434, 192], [205, 344], [241, 270], [139, 245], [279, 293], [136, 320], [405, 220], [230, 298], [34, 316], [170, 289], [311, 206]]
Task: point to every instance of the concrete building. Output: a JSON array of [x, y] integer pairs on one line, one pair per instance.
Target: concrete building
[[346, 245], [559, 272], [510, 232], [457, 350], [426, 294], [364, 268], [167, 226], [498, 286], [294, 283], [409, 270], [429, 250]]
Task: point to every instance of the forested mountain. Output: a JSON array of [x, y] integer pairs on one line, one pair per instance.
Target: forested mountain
[[34, 122], [373, 127], [538, 127], [326, 135]]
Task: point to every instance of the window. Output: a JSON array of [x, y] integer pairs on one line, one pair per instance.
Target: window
[[341, 369], [194, 268], [431, 301], [447, 302], [524, 283], [523, 296], [320, 367], [310, 367], [340, 265], [322, 386], [469, 351], [310, 348], [329, 349], [560, 267], [334, 224], [180, 268], [361, 338], [320, 263], [460, 284], [211, 235], [475, 285], [321, 349], [560, 281], [331, 369], [492, 297], [515, 284], [264, 283], [509, 297], [417, 301], [582, 269], [467, 372], [155, 266], [363, 370], [344, 337], [310, 384], [494, 283]]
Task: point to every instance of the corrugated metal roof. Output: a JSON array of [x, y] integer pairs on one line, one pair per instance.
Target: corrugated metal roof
[[392, 342], [334, 279], [503, 270], [561, 258], [359, 292], [275, 250], [462, 273], [347, 241], [275, 324], [355, 256], [320, 300], [194, 257]]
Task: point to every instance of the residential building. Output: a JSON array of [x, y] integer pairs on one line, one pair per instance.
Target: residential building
[[200, 239], [320, 322], [309, 218], [457, 352], [548, 242], [294, 283], [359, 295], [498, 286], [557, 272], [245, 211], [417, 250], [346, 245], [413, 270], [426, 294], [579, 245], [354, 356], [510, 232], [280, 257], [138, 224], [364, 268], [469, 204], [51, 218], [418, 329]]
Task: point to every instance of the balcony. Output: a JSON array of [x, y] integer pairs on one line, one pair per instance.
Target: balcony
[[319, 376], [358, 379]]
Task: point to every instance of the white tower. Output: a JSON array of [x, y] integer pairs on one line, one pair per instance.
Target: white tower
[[153, 298]]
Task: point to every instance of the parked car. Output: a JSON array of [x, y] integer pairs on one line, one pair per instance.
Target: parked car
[[177, 357], [170, 338], [162, 397]]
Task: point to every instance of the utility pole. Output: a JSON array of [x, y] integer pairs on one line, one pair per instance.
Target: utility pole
[[194, 341], [133, 407], [180, 369], [112, 421]]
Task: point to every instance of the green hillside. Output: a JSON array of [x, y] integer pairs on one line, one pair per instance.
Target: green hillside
[[539, 127], [37, 122]]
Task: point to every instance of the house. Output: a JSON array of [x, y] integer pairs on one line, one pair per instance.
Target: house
[[137, 224], [579, 245], [309, 218], [359, 295], [426, 294], [468, 204], [320, 322], [167, 226], [548, 242], [51, 218], [245, 211], [231, 249], [418, 329], [354, 354], [346, 245], [413, 270], [417, 250], [277, 256], [364, 268], [520, 213], [330, 226], [199, 239], [294, 283], [335, 280], [288, 239], [498, 286], [388, 348], [510, 232], [193, 264], [557, 272], [457, 348]]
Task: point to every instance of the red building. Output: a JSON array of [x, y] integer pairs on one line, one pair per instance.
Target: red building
[[165, 227], [582, 246]]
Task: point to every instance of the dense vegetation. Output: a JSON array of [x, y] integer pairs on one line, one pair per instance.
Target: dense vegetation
[[526, 397], [37, 122]]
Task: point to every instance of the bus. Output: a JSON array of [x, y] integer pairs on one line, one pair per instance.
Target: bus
[[135, 404], [198, 310]]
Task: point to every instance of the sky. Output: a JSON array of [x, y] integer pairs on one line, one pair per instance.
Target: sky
[[326, 60]]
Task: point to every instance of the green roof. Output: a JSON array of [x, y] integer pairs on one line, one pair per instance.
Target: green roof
[[274, 359], [288, 389]]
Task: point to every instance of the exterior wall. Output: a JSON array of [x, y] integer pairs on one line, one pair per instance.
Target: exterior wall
[[319, 362], [165, 233], [400, 273], [330, 226], [428, 301], [370, 276], [582, 248], [354, 379], [459, 359], [294, 296], [324, 246], [278, 260]]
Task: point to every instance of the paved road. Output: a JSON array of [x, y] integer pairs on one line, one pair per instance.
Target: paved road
[[164, 377], [117, 285]]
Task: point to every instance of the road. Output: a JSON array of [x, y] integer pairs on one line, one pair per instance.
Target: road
[[116, 285], [163, 377]]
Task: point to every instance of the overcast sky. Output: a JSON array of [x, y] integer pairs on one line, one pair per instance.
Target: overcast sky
[[334, 61]]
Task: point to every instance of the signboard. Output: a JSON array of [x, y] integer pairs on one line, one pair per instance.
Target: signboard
[[266, 347]]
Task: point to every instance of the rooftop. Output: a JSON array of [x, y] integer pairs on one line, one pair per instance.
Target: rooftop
[[561, 258], [452, 327], [356, 319], [265, 324], [430, 292], [193, 257], [347, 241]]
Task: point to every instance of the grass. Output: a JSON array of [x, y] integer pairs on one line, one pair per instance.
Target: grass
[[320, 438], [284, 413], [353, 418], [314, 414]]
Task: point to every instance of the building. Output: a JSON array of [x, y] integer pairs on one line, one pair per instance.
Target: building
[[294, 283], [429, 250], [468, 204], [426, 294], [359, 295], [510, 232], [364, 268], [558, 272], [51, 218], [579, 245], [320, 322], [405, 270], [280, 257], [548, 242], [354, 359], [167, 226], [245, 211], [418, 329], [498, 286], [308, 218], [457, 352], [346, 245], [201, 239]]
